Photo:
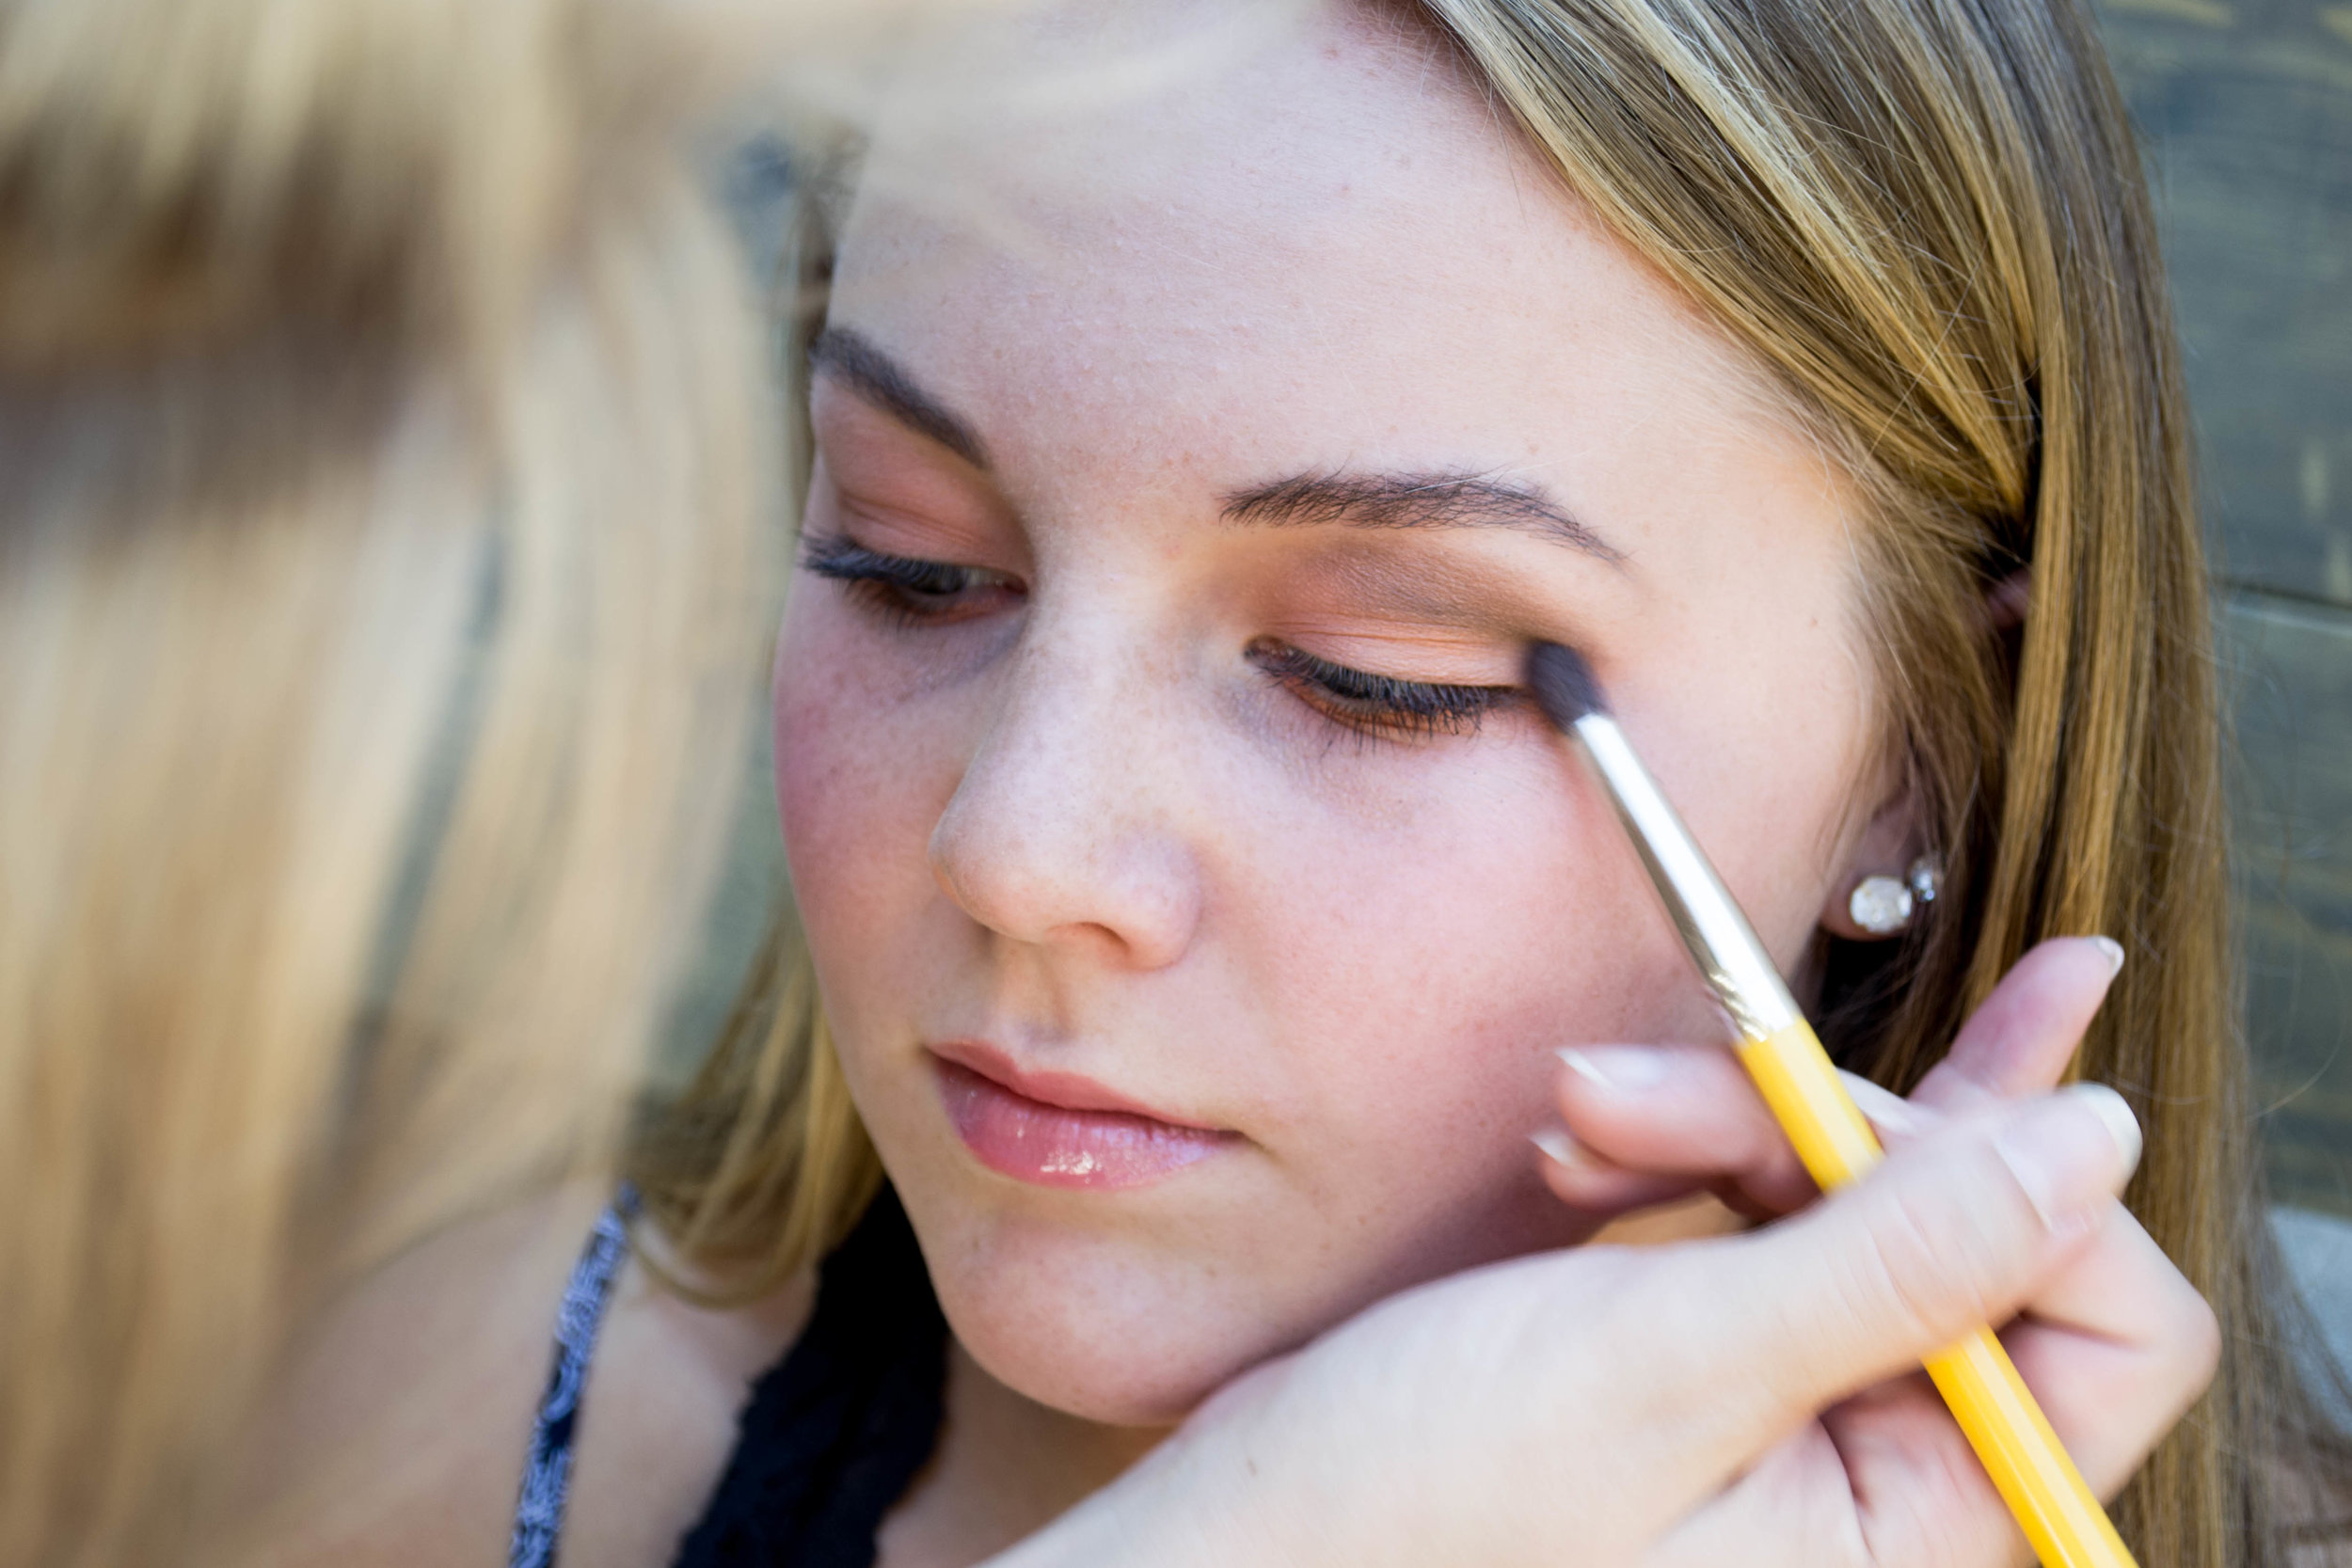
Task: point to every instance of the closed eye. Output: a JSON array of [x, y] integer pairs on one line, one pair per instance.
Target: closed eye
[[905, 592], [1382, 707]]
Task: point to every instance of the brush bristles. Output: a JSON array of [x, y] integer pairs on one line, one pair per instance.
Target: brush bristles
[[1563, 684]]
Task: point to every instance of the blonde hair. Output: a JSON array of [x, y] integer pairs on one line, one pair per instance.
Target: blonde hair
[[385, 550], [1926, 218]]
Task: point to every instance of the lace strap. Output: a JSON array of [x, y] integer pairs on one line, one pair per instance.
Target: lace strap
[[548, 1476]]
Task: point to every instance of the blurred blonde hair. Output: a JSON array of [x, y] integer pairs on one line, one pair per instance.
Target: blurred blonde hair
[[1927, 219], [386, 553]]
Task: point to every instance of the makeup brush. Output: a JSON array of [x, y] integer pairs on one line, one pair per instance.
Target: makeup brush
[[2060, 1514]]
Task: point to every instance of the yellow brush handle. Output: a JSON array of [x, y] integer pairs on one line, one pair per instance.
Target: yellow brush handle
[[2060, 1515]]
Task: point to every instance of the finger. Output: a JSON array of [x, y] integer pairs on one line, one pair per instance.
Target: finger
[[1950, 1233], [1885, 1478], [1794, 1508], [1585, 1180], [1897, 1120], [1686, 1112], [2020, 1041], [1923, 1496], [2117, 1345]]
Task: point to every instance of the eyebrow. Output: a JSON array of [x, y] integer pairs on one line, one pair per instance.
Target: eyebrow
[[1441, 499], [884, 383], [1434, 499]]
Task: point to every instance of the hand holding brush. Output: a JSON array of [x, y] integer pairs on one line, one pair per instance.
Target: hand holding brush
[[2026, 1459]]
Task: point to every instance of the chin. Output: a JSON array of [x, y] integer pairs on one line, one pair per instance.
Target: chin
[[1150, 1382], [1097, 1329], [1139, 1326]]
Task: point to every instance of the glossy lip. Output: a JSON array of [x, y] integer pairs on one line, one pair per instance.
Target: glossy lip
[[1061, 1129], [1069, 1091]]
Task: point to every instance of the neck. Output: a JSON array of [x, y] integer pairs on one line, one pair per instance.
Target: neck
[[1005, 1468]]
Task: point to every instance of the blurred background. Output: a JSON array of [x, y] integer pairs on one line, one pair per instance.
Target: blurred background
[[2245, 112], [2245, 107]]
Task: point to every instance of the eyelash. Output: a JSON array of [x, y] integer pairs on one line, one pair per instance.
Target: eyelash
[[902, 591], [910, 592], [1380, 707]]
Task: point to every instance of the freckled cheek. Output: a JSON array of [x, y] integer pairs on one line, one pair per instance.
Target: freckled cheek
[[1431, 965], [859, 781], [1417, 992]]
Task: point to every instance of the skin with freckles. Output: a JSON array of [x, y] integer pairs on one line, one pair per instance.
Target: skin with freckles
[[1310, 367]]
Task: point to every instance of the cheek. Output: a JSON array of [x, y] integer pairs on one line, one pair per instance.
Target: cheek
[[1414, 965], [859, 784]]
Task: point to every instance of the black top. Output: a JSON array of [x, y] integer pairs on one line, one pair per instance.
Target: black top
[[834, 1433]]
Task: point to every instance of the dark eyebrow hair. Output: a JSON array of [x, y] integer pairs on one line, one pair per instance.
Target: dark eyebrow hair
[[1415, 500], [884, 383]]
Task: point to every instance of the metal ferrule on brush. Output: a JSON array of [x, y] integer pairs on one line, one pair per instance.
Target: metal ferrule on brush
[[1733, 963]]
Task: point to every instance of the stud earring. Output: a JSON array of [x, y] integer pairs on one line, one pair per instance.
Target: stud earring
[[1882, 905]]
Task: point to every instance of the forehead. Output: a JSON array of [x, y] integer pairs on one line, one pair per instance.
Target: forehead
[[1278, 243]]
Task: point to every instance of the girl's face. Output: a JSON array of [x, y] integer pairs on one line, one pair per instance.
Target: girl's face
[[1196, 903]]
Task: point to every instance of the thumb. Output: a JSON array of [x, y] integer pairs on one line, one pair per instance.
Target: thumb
[[1950, 1234]]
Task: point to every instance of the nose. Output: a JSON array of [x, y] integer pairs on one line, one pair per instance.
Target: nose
[[1066, 829]]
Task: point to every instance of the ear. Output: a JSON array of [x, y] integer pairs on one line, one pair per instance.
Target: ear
[[1896, 838], [2007, 601], [1887, 848]]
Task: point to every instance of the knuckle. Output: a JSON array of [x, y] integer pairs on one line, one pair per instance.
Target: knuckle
[[1924, 1268], [2170, 1316], [1945, 1511], [2193, 1328]]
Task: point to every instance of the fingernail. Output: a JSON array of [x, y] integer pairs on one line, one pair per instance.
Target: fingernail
[[2114, 950], [1614, 1066], [2071, 1152], [2113, 1109], [1888, 1111], [1557, 1146]]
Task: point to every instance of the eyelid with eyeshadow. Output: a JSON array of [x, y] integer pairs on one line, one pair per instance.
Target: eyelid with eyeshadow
[[903, 590], [912, 593], [1382, 707]]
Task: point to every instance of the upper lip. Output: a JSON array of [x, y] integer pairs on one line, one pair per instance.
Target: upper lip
[[1069, 1091]]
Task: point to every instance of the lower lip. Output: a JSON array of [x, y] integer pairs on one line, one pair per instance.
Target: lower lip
[[1055, 1146]]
